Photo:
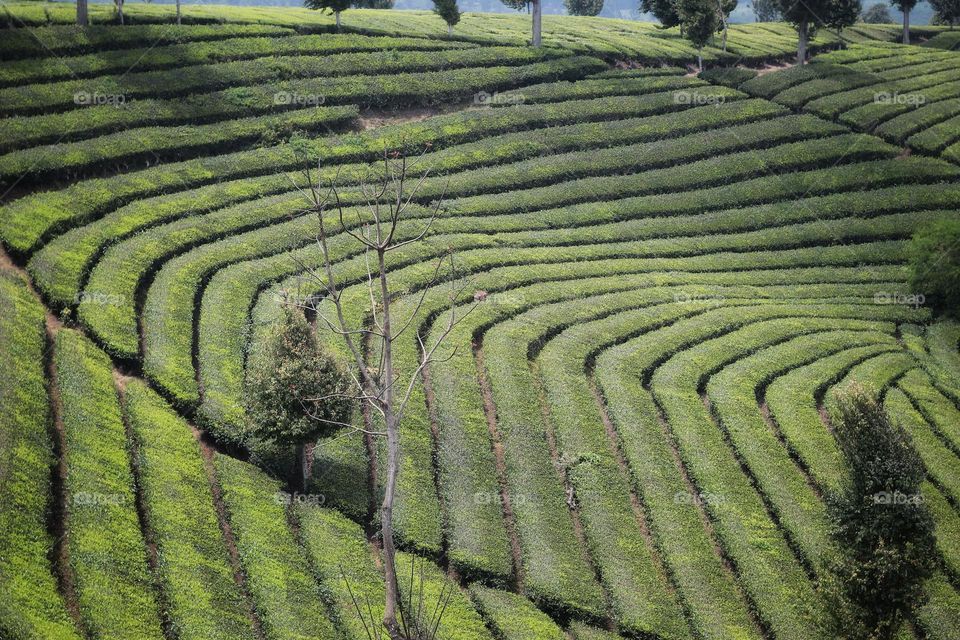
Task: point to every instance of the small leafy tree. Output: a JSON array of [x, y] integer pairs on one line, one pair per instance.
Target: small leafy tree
[[583, 7], [946, 11], [699, 20], [877, 14], [808, 15], [934, 255], [449, 11], [879, 521], [767, 10], [664, 10], [336, 7], [906, 6], [296, 392], [372, 4]]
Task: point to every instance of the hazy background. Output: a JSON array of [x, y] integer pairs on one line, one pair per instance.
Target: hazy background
[[627, 9]]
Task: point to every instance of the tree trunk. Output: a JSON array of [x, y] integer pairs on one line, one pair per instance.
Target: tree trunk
[[82, 16], [802, 46], [700, 58], [536, 23], [120, 10], [303, 463], [449, 29], [906, 26], [393, 464], [337, 15], [724, 36], [178, 11]]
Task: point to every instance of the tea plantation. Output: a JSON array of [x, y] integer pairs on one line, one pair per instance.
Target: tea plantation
[[669, 273]]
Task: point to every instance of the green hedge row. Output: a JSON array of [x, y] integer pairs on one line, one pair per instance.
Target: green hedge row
[[940, 462], [595, 88], [201, 599], [61, 40], [107, 552], [29, 220], [732, 392], [513, 617], [178, 281], [287, 599], [31, 606], [728, 76], [641, 72], [138, 254], [336, 77], [59, 267], [792, 399], [939, 411], [167, 143], [195, 52], [912, 121], [938, 137], [949, 40], [224, 312]]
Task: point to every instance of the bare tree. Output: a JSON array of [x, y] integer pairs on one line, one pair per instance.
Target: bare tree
[[377, 232]]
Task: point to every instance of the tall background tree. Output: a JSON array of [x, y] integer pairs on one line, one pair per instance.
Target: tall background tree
[[334, 6], [877, 14], [882, 526], [946, 12], [449, 11], [83, 17], [906, 6], [664, 10], [699, 21], [809, 15], [767, 10], [536, 10], [583, 7], [724, 9], [296, 392]]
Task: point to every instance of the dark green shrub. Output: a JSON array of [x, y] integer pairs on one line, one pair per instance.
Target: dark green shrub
[[934, 257], [880, 522]]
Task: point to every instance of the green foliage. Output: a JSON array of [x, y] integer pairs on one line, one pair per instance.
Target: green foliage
[[513, 617], [106, 547], [447, 10], [333, 6], [664, 10], [935, 264], [728, 76], [699, 20], [583, 7], [296, 392], [878, 14], [946, 12], [30, 604], [766, 10], [202, 600], [881, 523]]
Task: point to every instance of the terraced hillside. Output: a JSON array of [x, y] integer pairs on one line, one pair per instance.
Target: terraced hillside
[[668, 277]]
